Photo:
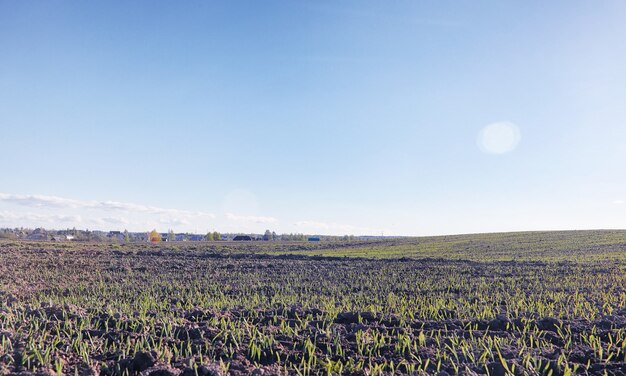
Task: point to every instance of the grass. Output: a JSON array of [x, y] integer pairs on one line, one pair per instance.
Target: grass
[[517, 303], [579, 246]]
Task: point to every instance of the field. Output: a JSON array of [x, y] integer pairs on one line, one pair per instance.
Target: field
[[516, 303]]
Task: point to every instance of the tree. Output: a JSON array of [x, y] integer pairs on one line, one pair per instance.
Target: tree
[[154, 236], [126, 236], [267, 236], [217, 235], [171, 236], [209, 236]]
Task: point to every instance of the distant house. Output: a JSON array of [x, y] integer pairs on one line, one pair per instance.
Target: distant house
[[242, 238], [138, 236], [314, 239], [196, 238], [181, 238], [58, 238], [38, 237]]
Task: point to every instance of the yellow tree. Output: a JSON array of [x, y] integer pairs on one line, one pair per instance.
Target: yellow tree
[[155, 237]]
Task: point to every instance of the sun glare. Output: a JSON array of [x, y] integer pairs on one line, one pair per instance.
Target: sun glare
[[499, 138]]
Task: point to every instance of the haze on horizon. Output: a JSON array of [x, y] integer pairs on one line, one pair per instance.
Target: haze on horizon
[[353, 117]]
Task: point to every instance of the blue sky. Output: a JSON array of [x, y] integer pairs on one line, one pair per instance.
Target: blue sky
[[318, 117]]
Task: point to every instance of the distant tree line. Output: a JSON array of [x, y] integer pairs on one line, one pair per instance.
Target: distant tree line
[[152, 236]]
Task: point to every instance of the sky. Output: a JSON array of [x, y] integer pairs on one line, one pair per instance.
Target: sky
[[317, 117]]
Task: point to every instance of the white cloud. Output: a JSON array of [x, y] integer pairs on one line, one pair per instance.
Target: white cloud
[[60, 212], [41, 201], [250, 218], [174, 221], [9, 217], [116, 220], [618, 202]]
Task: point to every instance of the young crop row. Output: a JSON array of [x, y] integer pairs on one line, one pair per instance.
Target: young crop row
[[101, 312]]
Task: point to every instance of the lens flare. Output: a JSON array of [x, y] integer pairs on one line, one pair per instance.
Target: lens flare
[[499, 138]]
